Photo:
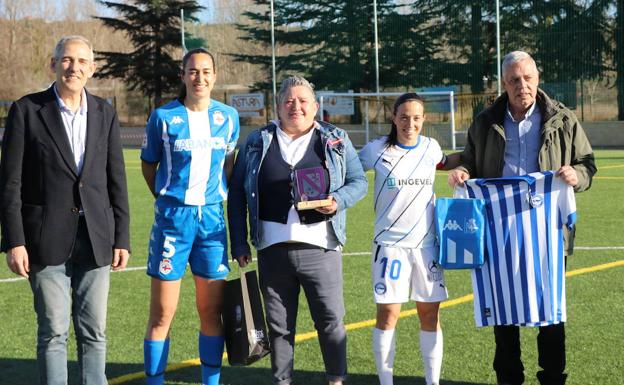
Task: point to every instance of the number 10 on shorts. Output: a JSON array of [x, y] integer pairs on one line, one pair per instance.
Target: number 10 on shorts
[[394, 270]]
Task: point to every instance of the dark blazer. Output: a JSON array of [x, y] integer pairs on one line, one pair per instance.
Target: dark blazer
[[41, 190]]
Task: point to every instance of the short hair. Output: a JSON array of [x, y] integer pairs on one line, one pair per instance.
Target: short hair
[[187, 57], [60, 46], [514, 57], [293, 81]]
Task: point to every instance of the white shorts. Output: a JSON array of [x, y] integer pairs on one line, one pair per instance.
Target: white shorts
[[397, 271]]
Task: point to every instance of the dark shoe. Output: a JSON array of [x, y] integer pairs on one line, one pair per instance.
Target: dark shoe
[[550, 379]]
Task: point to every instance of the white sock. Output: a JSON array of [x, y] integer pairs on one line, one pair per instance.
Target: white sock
[[431, 347], [384, 348]]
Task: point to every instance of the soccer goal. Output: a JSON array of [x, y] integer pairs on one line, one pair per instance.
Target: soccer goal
[[367, 116]]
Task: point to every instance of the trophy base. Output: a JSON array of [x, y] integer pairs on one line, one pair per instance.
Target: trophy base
[[307, 205]]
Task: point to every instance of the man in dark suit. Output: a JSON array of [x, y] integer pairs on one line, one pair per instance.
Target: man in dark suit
[[64, 210]]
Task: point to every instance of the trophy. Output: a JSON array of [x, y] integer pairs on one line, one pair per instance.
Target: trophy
[[311, 187]]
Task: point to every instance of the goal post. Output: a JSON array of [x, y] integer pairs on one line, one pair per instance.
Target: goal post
[[378, 116]]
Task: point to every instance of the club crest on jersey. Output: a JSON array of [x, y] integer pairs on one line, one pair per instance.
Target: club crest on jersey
[[218, 118], [380, 288], [177, 120], [536, 200], [471, 226], [165, 266]]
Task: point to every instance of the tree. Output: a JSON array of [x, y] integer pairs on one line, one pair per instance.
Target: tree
[[565, 31], [468, 33], [332, 43], [619, 57], [153, 27]]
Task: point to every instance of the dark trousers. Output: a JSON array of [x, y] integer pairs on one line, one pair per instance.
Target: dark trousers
[[284, 269], [550, 349]]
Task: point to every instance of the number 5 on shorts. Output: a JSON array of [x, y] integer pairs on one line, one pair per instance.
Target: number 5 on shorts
[[168, 247]]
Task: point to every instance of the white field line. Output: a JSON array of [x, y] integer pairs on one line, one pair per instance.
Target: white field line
[[140, 268]]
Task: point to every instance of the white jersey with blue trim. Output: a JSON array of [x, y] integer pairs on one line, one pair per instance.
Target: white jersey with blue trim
[[404, 197], [190, 149], [523, 279]]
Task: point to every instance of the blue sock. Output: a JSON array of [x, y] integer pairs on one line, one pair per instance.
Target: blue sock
[[155, 355], [211, 357]]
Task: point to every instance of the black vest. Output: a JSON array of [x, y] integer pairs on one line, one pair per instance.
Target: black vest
[[276, 186]]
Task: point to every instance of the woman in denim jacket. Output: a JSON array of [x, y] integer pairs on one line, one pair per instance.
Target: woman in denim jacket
[[277, 167]]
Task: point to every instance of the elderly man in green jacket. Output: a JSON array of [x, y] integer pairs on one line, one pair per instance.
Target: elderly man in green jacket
[[525, 131]]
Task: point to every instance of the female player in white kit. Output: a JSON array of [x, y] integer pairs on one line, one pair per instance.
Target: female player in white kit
[[187, 158], [404, 249]]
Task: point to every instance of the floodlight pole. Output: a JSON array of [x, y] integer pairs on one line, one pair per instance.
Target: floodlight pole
[[376, 67], [182, 29], [376, 47], [498, 53], [273, 61]]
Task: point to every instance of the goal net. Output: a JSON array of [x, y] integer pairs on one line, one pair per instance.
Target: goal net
[[366, 116]]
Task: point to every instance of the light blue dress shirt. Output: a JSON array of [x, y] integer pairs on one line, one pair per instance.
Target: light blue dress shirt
[[522, 142], [75, 126]]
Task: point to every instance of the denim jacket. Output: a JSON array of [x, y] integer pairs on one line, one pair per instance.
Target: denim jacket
[[347, 183]]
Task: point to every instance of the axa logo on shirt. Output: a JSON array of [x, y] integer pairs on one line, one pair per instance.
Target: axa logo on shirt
[[397, 182], [217, 143], [177, 120]]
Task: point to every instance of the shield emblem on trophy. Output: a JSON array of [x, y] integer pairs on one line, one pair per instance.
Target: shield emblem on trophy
[[311, 187]]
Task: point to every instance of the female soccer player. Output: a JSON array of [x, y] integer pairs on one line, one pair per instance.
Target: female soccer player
[[187, 158], [404, 248]]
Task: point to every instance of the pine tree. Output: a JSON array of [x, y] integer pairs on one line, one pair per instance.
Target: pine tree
[[619, 56], [153, 27], [331, 42]]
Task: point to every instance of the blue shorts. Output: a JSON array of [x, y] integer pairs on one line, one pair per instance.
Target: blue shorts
[[188, 234]]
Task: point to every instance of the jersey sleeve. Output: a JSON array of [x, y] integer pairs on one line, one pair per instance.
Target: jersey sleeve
[[367, 156], [438, 154], [151, 149], [234, 131], [567, 204]]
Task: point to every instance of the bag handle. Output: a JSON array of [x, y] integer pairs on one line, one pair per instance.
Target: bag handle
[[247, 307]]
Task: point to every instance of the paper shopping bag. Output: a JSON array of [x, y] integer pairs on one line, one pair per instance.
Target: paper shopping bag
[[246, 338]]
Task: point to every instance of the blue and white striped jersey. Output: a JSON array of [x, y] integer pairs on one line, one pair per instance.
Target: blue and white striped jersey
[[404, 197], [190, 148], [523, 279]]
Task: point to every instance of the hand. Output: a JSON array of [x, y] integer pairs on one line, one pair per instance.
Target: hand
[[17, 260], [244, 260], [120, 259], [457, 177], [329, 209], [568, 175]]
